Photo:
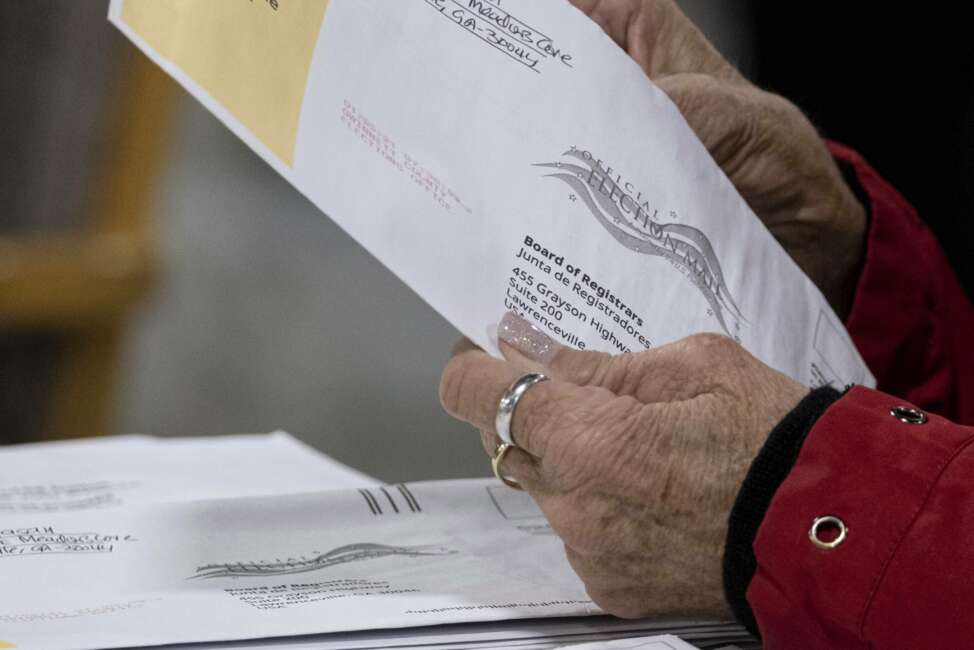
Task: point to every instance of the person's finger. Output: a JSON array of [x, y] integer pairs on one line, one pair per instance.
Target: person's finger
[[490, 442], [517, 464], [658, 36], [753, 136], [739, 124], [463, 345], [526, 346], [520, 466], [723, 115], [473, 383]]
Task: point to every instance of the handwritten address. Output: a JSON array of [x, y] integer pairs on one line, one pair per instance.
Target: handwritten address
[[504, 32], [47, 540]]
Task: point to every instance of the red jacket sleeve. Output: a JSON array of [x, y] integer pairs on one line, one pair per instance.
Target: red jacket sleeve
[[903, 576], [910, 318]]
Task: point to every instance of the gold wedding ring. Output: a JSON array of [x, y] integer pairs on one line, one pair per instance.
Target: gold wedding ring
[[495, 464]]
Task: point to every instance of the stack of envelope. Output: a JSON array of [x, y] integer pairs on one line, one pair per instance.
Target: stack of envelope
[[262, 542]]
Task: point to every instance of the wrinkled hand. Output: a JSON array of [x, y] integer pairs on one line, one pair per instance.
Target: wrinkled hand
[[635, 460], [764, 144]]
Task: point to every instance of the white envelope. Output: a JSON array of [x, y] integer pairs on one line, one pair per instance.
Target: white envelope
[[373, 558], [108, 472], [501, 155]]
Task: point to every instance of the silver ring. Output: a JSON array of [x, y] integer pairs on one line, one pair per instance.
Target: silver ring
[[505, 409]]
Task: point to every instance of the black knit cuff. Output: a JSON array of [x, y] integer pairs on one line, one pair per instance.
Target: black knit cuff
[[769, 470]]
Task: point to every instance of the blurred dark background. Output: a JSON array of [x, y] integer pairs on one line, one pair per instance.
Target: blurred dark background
[[157, 277], [894, 81]]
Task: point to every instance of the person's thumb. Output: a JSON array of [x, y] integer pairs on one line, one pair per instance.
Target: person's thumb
[[532, 350]]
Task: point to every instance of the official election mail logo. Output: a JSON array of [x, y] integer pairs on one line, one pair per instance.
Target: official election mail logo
[[342, 555], [620, 208]]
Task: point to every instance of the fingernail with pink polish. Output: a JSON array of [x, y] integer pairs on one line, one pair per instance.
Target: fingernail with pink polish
[[526, 338]]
